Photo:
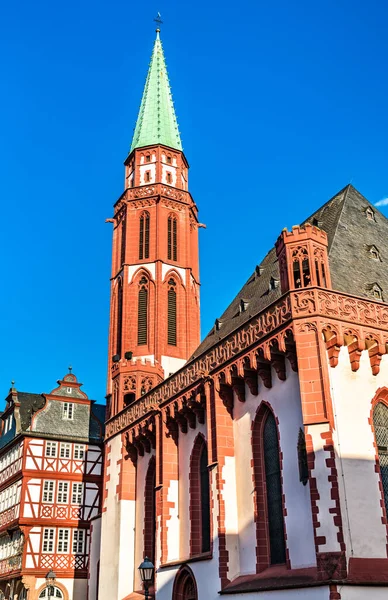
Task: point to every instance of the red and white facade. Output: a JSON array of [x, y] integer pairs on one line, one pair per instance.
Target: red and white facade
[[50, 492]]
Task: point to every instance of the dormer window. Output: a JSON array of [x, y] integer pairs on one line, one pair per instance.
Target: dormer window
[[370, 214], [169, 160], [148, 157], [218, 324], [243, 305], [273, 283], [374, 252], [375, 291], [259, 270], [68, 411], [169, 178]]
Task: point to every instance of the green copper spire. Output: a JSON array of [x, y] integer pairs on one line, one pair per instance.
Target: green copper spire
[[157, 123]]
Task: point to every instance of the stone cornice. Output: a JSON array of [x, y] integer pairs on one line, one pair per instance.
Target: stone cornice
[[151, 192], [301, 305]]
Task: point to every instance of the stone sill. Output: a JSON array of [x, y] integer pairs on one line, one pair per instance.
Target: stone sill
[[273, 578]]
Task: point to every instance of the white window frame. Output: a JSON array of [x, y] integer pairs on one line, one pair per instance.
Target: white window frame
[[68, 411], [50, 448], [79, 539], [49, 490], [50, 540], [63, 540], [66, 449], [79, 451], [77, 492], [63, 492]]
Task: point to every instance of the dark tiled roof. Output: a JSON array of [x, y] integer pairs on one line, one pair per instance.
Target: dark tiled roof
[[29, 404], [353, 270]]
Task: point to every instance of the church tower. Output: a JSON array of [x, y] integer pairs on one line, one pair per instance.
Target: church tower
[[154, 315]]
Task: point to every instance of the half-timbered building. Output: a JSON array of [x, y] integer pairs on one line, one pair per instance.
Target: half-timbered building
[[50, 490], [252, 465]]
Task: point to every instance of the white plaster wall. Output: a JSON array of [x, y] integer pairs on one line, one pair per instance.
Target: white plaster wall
[[313, 593], [352, 394], [325, 502], [171, 364], [173, 522], [354, 592], [205, 572], [284, 398], [126, 564], [147, 167], [169, 169], [132, 269], [141, 473], [231, 516], [166, 268], [185, 448], [110, 527], [94, 557]]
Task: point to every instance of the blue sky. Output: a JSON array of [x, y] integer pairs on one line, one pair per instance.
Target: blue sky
[[280, 105]]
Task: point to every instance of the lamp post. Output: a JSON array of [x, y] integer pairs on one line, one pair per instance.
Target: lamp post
[[50, 578], [147, 574]]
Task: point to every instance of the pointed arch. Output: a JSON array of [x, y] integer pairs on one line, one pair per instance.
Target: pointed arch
[[379, 424], [150, 511], [119, 314], [185, 586], [144, 235], [267, 479], [200, 538], [142, 311], [172, 237]]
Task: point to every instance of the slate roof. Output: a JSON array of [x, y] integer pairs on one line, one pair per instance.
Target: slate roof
[[353, 270], [29, 404]]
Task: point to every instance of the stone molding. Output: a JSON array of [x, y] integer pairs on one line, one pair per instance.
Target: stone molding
[[330, 313]]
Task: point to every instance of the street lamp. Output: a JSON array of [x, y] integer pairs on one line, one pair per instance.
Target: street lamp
[[147, 574], [50, 578]]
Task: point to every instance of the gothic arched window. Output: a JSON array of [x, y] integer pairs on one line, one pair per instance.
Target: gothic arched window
[[172, 242], [268, 491], [199, 507], [123, 239], [380, 423], [119, 332], [185, 587], [171, 313], [150, 512], [144, 236], [274, 491], [142, 312]]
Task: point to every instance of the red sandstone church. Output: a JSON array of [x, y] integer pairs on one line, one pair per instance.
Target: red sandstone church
[[253, 464]]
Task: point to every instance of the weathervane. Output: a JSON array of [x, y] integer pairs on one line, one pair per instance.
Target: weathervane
[[158, 21]]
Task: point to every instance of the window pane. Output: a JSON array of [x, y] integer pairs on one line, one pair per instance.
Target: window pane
[[274, 491], [380, 422]]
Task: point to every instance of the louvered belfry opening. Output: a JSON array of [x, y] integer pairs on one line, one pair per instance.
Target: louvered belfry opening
[[172, 242], [123, 239], [171, 313], [144, 236], [274, 491], [380, 423], [142, 315], [119, 332]]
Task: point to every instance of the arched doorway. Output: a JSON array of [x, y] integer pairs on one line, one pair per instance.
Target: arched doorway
[[57, 593], [185, 587]]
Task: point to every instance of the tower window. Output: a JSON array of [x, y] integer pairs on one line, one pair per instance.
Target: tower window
[[199, 498], [123, 240], [172, 243], [147, 176], [148, 158], [169, 160], [119, 332], [171, 313], [142, 314], [169, 178], [144, 236]]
